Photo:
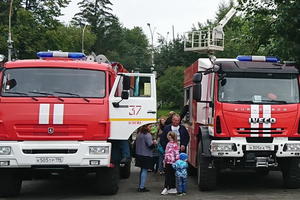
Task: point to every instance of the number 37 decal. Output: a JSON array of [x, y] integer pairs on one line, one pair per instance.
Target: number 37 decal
[[134, 110]]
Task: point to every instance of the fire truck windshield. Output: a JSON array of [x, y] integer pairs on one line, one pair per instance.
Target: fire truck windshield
[[62, 82], [255, 88]]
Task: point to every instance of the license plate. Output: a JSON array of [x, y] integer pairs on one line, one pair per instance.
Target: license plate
[[49, 160], [260, 147]]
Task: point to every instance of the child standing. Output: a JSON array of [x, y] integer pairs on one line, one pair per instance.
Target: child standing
[[180, 167], [171, 155]]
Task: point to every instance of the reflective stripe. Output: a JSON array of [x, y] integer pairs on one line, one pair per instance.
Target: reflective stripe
[[58, 114], [44, 113], [132, 119], [267, 114], [266, 135], [254, 114], [254, 135]]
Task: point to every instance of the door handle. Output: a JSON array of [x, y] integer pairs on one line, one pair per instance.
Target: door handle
[[151, 111]]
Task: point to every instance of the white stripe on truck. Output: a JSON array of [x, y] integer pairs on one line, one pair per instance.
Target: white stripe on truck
[[44, 113], [58, 114]]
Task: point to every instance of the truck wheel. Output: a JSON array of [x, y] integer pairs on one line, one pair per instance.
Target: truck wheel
[[10, 184], [291, 173], [207, 175], [107, 180], [125, 170]]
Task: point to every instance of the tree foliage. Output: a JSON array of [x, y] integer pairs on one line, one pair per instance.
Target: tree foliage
[[283, 30], [128, 46], [170, 54], [170, 87]]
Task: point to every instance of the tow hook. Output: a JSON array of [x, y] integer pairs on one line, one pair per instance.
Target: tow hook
[[265, 162], [262, 162]]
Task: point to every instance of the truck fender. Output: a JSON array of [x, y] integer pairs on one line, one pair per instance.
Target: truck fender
[[205, 140]]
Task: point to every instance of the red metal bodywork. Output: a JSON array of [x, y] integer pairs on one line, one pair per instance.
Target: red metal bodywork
[[83, 120], [234, 117]]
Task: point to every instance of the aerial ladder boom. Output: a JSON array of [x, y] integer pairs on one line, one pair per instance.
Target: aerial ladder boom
[[218, 30], [210, 40]]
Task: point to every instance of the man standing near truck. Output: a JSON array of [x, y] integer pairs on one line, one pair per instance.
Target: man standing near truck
[[182, 134]]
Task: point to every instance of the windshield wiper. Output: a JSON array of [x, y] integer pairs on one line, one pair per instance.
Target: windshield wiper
[[73, 94], [21, 93], [239, 102], [274, 101], [43, 93], [257, 102], [47, 94]]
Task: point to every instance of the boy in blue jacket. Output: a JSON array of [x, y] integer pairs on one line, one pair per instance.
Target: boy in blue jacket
[[180, 167]]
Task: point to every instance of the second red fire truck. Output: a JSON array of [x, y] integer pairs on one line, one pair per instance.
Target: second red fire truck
[[244, 115]]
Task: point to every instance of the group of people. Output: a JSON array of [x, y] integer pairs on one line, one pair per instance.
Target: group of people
[[170, 143]]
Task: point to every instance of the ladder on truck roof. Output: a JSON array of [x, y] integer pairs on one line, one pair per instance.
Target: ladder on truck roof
[[209, 40]]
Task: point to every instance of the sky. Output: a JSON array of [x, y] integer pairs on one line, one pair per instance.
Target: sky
[[160, 14]]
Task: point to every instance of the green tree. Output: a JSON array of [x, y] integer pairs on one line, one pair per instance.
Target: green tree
[[69, 38], [170, 87], [31, 19], [127, 46], [277, 23], [170, 54]]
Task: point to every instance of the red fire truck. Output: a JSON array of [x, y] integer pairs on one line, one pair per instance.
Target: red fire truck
[[244, 115], [63, 114]]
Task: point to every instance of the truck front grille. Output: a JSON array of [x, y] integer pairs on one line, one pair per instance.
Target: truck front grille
[[260, 130], [49, 151], [259, 139]]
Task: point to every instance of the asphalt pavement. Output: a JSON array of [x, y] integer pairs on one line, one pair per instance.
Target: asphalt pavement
[[231, 185]]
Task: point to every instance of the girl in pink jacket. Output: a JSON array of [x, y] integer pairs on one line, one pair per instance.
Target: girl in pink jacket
[[171, 155]]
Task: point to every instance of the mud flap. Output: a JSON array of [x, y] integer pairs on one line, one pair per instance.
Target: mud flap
[[205, 141]]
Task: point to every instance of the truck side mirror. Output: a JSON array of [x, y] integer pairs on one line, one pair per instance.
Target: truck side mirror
[[2, 58], [197, 92], [126, 83], [197, 78], [125, 94], [197, 88]]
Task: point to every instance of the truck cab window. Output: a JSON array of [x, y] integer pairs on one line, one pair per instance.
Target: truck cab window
[[259, 88], [54, 81], [139, 87]]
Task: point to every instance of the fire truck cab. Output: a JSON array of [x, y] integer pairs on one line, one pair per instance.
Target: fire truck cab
[[62, 114], [244, 115]]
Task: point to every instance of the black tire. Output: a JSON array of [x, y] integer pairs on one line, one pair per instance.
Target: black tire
[[107, 180], [207, 174], [10, 184], [262, 171], [125, 170], [291, 173]]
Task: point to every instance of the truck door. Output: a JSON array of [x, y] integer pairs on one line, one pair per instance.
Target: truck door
[[139, 109]]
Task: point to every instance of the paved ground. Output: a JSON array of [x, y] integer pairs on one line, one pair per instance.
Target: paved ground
[[238, 186]]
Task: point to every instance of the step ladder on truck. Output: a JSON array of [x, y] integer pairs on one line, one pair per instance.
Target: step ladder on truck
[[66, 114], [244, 112]]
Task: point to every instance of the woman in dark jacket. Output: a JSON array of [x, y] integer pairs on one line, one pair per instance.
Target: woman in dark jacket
[[144, 147]]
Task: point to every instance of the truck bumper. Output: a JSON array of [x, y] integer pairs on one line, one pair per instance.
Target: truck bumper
[[75, 154], [236, 147]]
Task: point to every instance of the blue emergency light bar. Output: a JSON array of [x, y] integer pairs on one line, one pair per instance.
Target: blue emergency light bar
[[60, 54], [258, 58]]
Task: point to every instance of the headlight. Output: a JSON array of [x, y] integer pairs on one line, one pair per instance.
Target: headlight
[[99, 150], [215, 147], [291, 147], [5, 150]]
